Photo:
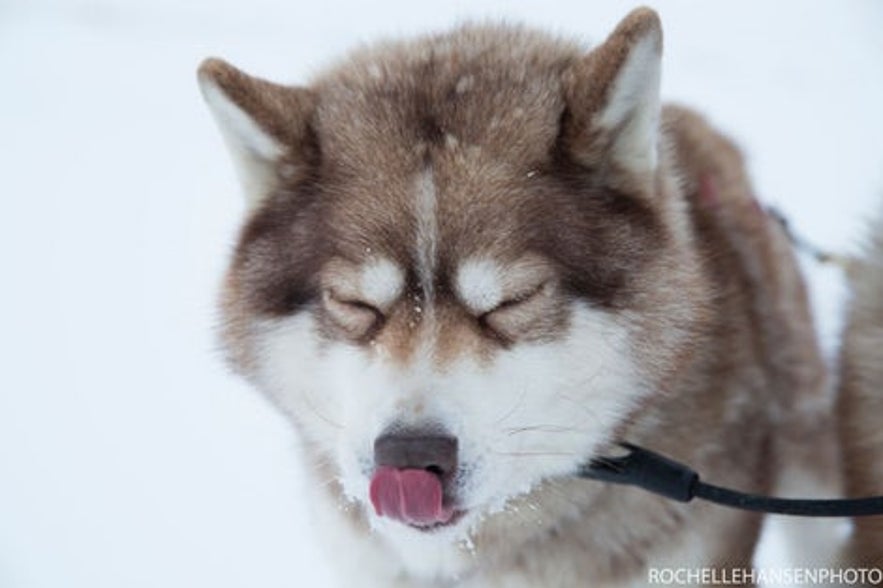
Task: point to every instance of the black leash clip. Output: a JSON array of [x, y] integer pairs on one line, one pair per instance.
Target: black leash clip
[[650, 471]]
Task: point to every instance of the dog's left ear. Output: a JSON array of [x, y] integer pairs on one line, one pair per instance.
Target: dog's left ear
[[612, 96], [266, 126]]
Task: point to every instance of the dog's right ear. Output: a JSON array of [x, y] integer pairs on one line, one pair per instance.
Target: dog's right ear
[[266, 126]]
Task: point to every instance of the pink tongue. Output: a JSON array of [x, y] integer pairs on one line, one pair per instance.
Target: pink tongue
[[411, 496]]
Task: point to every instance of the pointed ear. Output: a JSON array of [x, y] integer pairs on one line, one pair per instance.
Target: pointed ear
[[612, 97], [266, 126]]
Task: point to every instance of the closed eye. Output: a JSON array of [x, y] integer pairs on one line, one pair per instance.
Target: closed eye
[[516, 300], [355, 317], [362, 305], [508, 319]]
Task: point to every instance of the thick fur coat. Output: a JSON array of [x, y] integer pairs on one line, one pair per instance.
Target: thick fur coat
[[861, 396], [501, 236]]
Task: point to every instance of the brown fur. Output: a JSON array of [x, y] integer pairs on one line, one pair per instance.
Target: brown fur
[[488, 151], [861, 398], [588, 84], [504, 119]]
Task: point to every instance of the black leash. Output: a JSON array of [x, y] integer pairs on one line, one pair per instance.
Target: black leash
[[805, 245], [666, 477], [661, 475]]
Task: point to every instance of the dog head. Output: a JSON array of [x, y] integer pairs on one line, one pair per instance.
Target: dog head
[[463, 265]]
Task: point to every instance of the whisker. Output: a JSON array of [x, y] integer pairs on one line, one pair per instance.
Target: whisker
[[541, 429], [581, 405], [607, 462], [535, 453], [514, 408], [312, 407]]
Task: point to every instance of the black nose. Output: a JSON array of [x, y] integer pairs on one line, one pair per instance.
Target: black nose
[[434, 453]]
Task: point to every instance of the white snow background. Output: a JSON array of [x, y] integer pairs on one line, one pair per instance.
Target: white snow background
[[129, 457]]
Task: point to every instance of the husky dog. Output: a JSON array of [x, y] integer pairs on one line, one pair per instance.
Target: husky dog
[[475, 260], [861, 397]]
